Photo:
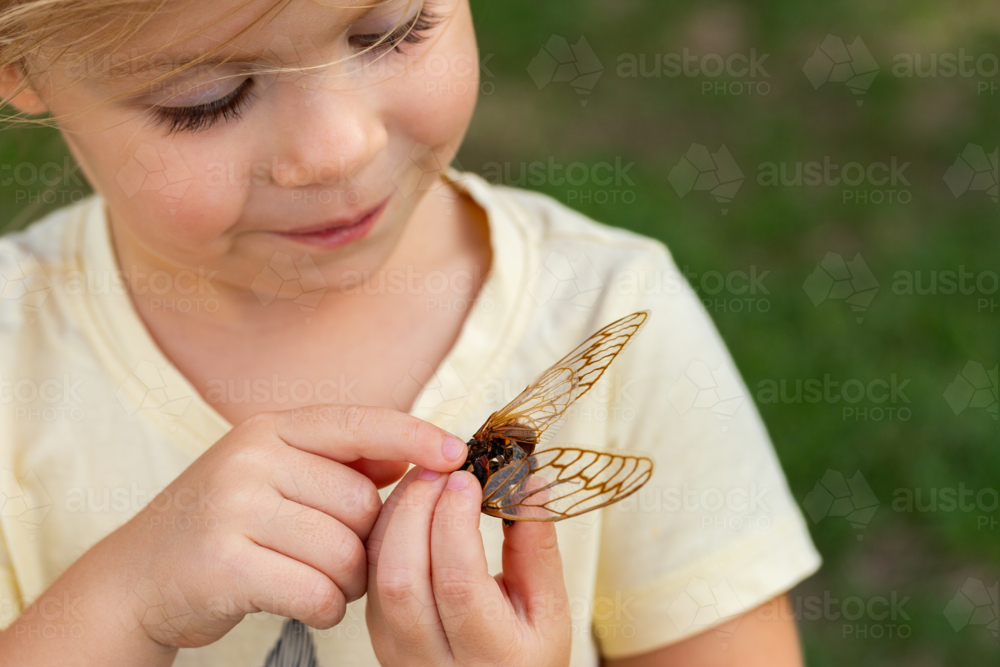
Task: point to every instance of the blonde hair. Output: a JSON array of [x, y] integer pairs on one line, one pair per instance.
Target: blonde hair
[[36, 32]]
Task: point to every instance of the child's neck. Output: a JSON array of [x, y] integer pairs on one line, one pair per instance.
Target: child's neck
[[367, 342]]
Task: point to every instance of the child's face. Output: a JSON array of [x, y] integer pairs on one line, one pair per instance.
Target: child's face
[[310, 151]]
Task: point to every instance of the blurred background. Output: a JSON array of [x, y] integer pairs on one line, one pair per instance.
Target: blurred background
[[826, 176]]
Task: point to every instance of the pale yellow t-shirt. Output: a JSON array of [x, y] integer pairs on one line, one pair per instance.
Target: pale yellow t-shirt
[[95, 420]]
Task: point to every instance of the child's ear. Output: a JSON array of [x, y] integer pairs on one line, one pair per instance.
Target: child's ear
[[26, 100]]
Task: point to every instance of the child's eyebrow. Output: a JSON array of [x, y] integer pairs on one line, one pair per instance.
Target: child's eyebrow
[[165, 67], [164, 63]]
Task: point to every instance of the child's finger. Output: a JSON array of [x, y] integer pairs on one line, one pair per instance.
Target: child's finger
[[533, 575], [373, 545], [275, 583], [466, 594], [318, 540], [403, 574], [330, 487], [377, 534], [346, 433]]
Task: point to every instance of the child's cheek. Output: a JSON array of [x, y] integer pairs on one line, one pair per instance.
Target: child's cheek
[[435, 103], [174, 191]]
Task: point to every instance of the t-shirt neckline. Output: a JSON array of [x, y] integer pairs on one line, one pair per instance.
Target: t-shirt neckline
[[150, 384]]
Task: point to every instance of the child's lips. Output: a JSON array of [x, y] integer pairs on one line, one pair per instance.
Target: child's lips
[[334, 233]]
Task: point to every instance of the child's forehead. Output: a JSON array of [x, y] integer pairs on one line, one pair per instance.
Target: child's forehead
[[234, 32], [253, 22]]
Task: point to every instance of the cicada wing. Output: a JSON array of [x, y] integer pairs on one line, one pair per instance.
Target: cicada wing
[[536, 411], [562, 482]]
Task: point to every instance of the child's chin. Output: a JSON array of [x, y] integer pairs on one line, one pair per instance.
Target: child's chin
[[382, 473]]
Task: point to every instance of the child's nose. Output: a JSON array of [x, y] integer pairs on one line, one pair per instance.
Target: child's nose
[[326, 139]]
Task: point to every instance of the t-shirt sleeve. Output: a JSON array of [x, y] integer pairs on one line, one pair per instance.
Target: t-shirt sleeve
[[715, 532]]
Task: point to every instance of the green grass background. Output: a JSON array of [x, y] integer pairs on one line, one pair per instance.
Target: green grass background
[[928, 339]]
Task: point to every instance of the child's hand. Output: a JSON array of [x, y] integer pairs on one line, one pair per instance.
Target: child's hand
[[431, 600], [268, 519]]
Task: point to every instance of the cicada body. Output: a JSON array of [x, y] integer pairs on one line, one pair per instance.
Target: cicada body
[[487, 458], [522, 479]]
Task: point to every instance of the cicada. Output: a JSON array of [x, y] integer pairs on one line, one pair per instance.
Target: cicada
[[522, 479]]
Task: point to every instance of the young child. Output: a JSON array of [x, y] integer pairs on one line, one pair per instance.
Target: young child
[[280, 297]]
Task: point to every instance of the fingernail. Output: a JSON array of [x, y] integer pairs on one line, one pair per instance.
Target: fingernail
[[458, 481], [453, 448], [428, 475]]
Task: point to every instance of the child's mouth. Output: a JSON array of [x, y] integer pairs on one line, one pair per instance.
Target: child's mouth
[[335, 234]]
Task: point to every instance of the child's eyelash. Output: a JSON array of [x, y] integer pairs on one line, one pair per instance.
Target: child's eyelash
[[412, 32], [192, 119], [231, 107]]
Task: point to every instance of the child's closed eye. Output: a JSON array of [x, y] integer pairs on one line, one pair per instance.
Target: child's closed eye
[[413, 31], [232, 105], [201, 116]]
